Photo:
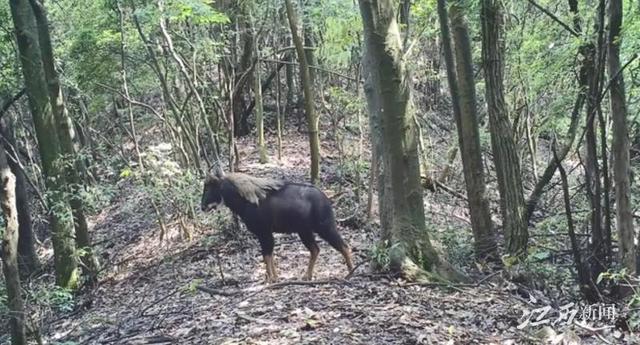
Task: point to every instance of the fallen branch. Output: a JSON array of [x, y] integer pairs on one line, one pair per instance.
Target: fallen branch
[[306, 283], [215, 292], [252, 319]]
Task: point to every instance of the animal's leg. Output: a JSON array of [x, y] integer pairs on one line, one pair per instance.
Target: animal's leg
[[274, 272], [346, 253], [268, 261], [266, 245], [330, 234], [310, 242]]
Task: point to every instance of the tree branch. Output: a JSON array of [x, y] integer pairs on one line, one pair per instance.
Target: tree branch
[[555, 18], [12, 100]]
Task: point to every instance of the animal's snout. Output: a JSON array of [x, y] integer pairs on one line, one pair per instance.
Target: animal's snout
[[209, 207]]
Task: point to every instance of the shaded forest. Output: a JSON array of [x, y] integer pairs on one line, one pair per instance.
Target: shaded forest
[[320, 171]]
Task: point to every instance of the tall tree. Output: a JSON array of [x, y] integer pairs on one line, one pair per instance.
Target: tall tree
[[309, 97], [620, 144], [463, 96], [257, 92], [27, 256], [410, 248], [66, 135], [594, 59], [505, 151], [10, 252], [62, 229]]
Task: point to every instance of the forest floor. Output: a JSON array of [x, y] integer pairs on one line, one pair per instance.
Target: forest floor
[[211, 290]]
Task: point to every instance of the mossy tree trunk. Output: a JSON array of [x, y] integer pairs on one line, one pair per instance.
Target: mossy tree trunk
[[505, 151], [410, 249], [257, 92], [10, 252], [620, 144], [309, 97], [66, 134], [462, 88], [27, 257], [62, 230]]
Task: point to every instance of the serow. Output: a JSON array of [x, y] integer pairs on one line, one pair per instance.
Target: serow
[[269, 205]]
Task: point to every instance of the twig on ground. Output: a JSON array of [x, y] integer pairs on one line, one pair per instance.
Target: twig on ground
[[252, 319], [354, 269], [306, 282]]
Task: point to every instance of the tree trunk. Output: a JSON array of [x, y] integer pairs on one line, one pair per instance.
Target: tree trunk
[[125, 85], [192, 86], [27, 256], [309, 106], [461, 85], [620, 144], [61, 220], [288, 68], [10, 252], [310, 39], [505, 153], [188, 135], [410, 249], [290, 81], [66, 135], [279, 121], [584, 279], [593, 56], [257, 91], [241, 127], [378, 178]]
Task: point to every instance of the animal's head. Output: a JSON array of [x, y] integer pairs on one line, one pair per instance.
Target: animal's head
[[212, 193]]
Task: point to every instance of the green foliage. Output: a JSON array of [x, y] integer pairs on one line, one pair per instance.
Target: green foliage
[[98, 196], [380, 256], [199, 11], [88, 40], [341, 26], [458, 245], [192, 287], [55, 297], [622, 277], [9, 76], [59, 206], [545, 271]]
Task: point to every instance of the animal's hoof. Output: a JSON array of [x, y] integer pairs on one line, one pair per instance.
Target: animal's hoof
[[306, 277]]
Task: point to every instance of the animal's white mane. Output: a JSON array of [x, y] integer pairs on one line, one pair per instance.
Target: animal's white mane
[[253, 189]]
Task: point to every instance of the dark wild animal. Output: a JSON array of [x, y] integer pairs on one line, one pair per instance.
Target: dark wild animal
[[267, 206]]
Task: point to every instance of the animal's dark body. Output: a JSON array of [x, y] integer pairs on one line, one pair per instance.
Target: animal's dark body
[[267, 206]]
